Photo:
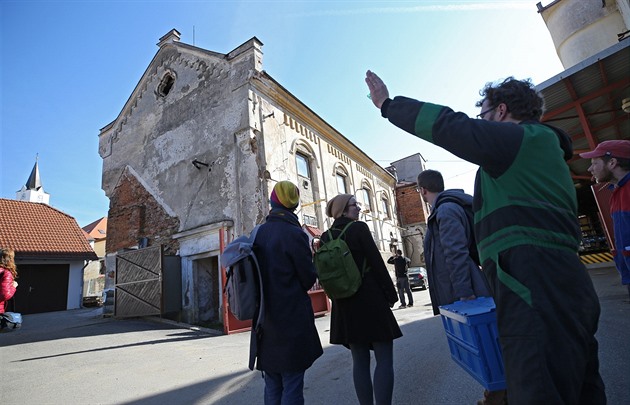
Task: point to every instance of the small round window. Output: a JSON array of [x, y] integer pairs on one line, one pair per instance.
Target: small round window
[[166, 85]]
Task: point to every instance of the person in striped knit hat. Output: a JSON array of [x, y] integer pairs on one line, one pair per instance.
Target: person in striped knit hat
[[288, 343]]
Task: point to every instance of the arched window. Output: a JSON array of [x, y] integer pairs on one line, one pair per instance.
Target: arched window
[[385, 206], [303, 165], [342, 188], [366, 201], [166, 85], [341, 177]]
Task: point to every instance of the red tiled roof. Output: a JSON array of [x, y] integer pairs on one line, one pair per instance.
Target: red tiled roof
[[36, 230], [313, 231], [97, 230]]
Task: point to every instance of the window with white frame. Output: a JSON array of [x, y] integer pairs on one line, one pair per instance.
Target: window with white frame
[[309, 220], [365, 199], [341, 183], [303, 166], [385, 207]]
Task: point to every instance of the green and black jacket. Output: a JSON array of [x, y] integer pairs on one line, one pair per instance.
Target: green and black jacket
[[524, 194]]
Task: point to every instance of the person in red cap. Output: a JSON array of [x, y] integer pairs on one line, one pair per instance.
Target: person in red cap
[[610, 163]]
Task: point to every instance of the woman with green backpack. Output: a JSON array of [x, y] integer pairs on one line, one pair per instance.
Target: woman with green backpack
[[364, 321]]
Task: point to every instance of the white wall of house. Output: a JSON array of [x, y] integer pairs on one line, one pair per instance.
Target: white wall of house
[[75, 284]]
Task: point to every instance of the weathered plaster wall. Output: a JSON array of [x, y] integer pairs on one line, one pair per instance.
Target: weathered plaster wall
[[216, 114], [203, 117], [413, 240], [287, 132], [581, 28]]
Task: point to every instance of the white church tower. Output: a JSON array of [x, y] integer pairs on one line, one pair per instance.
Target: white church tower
[[33, 191]]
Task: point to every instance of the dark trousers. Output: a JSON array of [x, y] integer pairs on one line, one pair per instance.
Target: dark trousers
[[547, 312], [403, 287], [383, 387]]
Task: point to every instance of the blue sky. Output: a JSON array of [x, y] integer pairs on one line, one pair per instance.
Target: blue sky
[[68, 67]]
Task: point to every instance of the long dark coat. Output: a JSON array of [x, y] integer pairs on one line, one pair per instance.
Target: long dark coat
[[289, 340], [365, 317]]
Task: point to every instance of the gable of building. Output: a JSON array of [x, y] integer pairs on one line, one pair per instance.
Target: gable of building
[[185, 131], [97, 230]]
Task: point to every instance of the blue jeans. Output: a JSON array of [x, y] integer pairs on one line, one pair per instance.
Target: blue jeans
[[284, 388]]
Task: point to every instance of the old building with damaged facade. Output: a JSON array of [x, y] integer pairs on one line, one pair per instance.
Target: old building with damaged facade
[[190, 161]]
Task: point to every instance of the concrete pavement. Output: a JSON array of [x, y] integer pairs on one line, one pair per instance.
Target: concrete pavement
[[79, 357]]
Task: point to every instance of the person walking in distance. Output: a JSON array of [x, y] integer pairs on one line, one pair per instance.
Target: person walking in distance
[[401, 264], [610, 163], [527, 235]]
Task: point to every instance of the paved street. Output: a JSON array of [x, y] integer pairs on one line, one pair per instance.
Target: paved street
[[79, 357]]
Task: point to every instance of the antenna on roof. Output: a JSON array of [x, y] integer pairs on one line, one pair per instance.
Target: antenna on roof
[[193, 35]]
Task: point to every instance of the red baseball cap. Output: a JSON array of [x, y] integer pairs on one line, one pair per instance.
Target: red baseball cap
[[618, 149]]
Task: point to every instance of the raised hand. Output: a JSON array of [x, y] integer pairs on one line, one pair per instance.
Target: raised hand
[[378, 90]]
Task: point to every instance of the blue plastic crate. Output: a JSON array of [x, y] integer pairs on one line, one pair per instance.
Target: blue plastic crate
[[473, 339]]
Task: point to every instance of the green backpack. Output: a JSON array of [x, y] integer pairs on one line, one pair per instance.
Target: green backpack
[[337, 272]]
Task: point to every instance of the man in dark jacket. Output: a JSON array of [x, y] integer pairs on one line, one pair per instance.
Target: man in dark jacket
[[452, 272], [289, 343], [402, 280], [527, 234]]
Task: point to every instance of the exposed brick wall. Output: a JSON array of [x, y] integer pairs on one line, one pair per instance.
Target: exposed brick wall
[[134, 214], [409, 205]]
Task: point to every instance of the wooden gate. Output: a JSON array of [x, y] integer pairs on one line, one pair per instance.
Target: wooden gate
[[139, 283]]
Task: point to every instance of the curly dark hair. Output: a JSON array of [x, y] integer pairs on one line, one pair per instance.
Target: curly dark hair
[[520, 97]]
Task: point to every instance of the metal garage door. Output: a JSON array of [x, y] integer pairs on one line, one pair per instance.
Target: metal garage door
[[41, 288]]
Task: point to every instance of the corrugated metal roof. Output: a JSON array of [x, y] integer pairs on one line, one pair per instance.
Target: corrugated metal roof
[[585, 101]]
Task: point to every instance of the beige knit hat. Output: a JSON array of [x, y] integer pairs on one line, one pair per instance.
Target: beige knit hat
[[337, 205]]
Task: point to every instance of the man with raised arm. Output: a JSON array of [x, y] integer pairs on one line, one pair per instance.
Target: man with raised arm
[[527, 235]]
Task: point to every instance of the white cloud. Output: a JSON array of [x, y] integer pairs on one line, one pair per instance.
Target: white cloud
[[458, 6]]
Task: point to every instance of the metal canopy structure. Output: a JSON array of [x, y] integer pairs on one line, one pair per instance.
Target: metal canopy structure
[[585, 101]]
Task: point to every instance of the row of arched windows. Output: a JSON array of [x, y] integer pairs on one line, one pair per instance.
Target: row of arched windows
[[365, 196]]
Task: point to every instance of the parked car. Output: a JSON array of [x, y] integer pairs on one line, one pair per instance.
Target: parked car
[[418, 278], [93, 301]]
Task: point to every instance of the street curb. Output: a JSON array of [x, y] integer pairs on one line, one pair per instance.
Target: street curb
[[182, 325]]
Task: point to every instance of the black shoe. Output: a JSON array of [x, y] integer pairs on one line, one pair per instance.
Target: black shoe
[[410, 305]]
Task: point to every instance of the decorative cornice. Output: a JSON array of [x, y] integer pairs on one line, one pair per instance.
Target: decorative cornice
[[199, 64], [316, 127]]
